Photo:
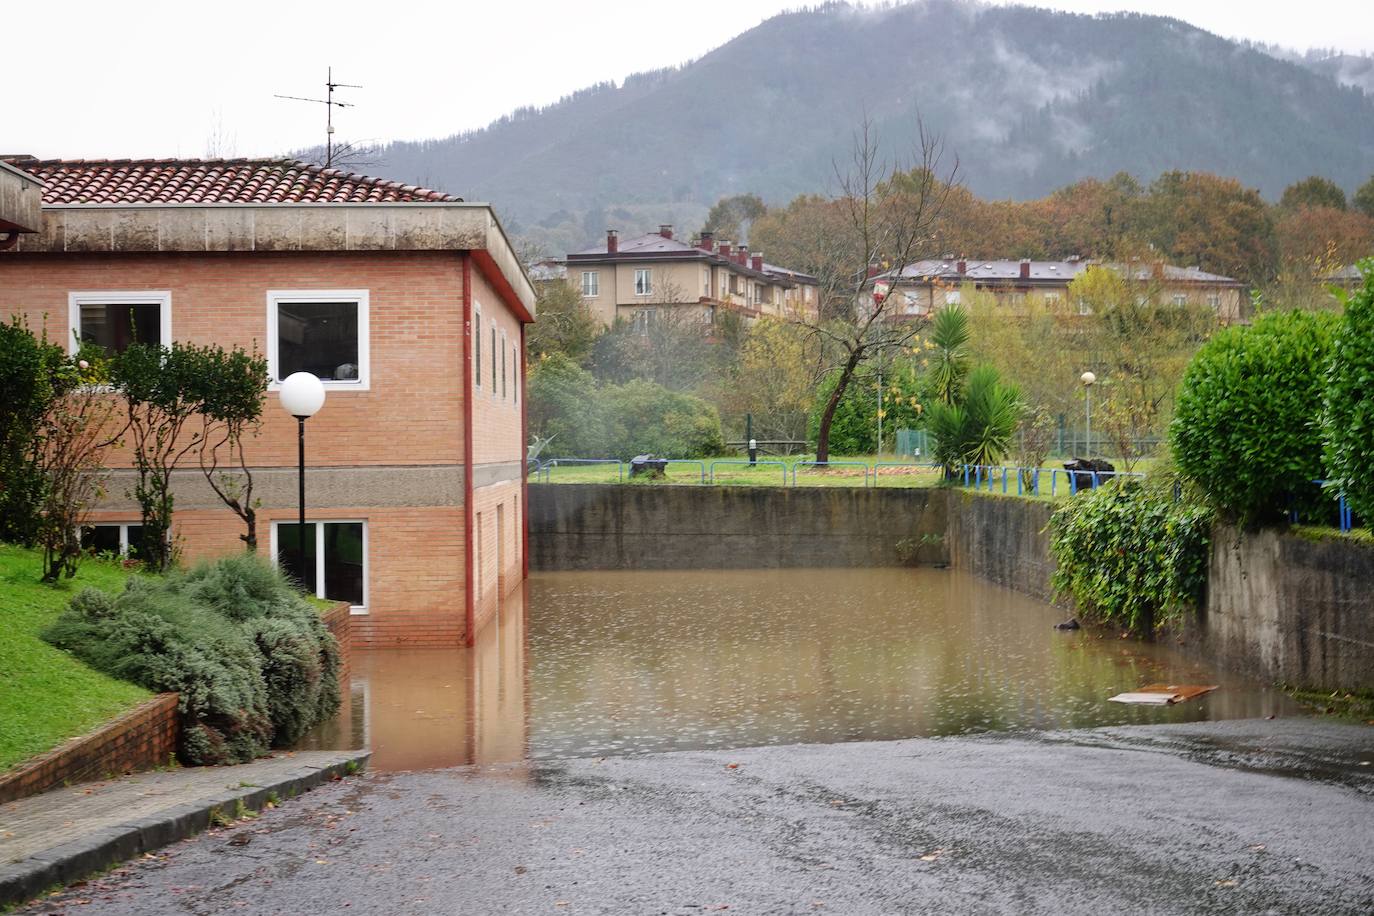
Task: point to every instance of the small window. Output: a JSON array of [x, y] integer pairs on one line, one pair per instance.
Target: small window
[[591, 284], [1051, 298], [644, 284], [333, 564], [1214, 300], [121, 539], [706, 281], [515, 373], [477, 343], [493, 359], [643, 320], [1180, 299], [323, 332], [505, 392], [724, 286], [116, 320]]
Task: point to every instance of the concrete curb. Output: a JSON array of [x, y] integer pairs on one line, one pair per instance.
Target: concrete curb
[[62, 865]]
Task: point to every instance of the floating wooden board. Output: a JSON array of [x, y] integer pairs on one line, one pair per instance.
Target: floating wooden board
[[1163, 694]]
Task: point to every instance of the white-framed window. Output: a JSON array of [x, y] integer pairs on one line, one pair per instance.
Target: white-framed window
[[591, 284], [706, 281], [724, 285], [1214, 300], [322, 331], [505, 392], [642, 321], [644, 281], [335, 563], [953, 296], [120, 538], [477, 343], [515, 373], [1083, 307], [114, 319], [494, 351], [1180, 299], [1051, 298]]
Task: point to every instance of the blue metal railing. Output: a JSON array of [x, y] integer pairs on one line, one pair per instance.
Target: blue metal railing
[[711, 471], [990, 477], [547, 467]]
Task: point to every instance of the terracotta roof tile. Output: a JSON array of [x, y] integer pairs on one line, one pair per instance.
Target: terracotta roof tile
[[211, 181]]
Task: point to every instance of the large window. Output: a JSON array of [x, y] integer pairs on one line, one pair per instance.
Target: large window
[[118, 538], [591, 284], [334, 562], [644, 282], [115, 320], [643, 320], [323, 332]]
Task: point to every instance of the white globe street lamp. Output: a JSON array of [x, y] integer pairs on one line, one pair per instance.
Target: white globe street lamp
[[302, 396], [1088, 378]]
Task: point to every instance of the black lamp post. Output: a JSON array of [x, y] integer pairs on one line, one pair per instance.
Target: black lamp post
[[302, 395]]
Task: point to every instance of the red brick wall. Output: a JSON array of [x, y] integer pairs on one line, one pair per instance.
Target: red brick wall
[[497, 564], [141, 739], [412, 412], [338, 620]]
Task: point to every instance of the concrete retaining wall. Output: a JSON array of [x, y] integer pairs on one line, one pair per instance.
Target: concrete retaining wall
[[143, 738], [1291, 608], [610, 526], [1002, 539]]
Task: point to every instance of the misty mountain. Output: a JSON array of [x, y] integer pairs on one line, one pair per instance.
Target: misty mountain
[[1027, 99]]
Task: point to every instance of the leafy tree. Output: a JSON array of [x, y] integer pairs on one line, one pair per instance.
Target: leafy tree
[[731, 217], [774, 379], [1314, 191], [949, 336], [30, 382], [563, 407], [645, 417], [565, 325], [854, 430], [1243, 429], [1348, 418], [230, 387], [1316, 240], [673, 348], [1364, 198], [1201, 219]]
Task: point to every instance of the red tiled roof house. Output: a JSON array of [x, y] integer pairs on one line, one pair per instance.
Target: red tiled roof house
[[408, 303]]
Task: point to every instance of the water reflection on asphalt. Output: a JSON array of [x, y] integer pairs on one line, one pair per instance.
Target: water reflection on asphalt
[[600, 663]]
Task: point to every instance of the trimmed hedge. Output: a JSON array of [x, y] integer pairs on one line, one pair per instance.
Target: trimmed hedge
[[252, 660], [1245, 427], [1348, 421]]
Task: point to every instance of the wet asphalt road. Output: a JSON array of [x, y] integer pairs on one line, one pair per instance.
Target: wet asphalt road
[[1247, 816]]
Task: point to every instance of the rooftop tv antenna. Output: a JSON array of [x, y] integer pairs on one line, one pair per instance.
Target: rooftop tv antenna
[[329, 105]]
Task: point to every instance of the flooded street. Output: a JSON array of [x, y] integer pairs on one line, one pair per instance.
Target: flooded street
[[607, 663]]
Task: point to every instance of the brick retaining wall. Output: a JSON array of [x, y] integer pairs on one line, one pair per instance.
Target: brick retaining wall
[[141, 739], [339, 621]]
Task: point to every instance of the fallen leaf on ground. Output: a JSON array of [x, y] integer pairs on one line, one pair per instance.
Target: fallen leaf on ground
[[1228, 882]]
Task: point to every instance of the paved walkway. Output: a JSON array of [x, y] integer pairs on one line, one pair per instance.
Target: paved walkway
[[64, 834], [1246, 816]]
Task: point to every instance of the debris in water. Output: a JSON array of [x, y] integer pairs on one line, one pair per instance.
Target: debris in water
[[1070, 624], [1162, 694]]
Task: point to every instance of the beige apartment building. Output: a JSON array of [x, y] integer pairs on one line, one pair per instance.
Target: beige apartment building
[[633, 279], [928, 284]]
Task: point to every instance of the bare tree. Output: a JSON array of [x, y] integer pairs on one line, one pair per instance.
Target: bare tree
[[889, 217]]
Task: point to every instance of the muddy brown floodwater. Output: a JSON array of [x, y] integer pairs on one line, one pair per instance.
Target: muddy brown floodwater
[[602, 663]]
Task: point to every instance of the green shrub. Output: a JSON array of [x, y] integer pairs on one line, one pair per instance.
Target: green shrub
[[978, 428], [254, 664], [1245, 426], [854, 428], [1348, 420], [1130, 554], [30, 381]]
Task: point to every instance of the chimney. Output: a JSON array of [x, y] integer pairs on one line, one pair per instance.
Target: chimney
[[725, 248], [1157, 271], [742, 255], [708, 241], [666, 230], [1025, 269], [962, 267], [758, 261], [612, 241], [872, 269]]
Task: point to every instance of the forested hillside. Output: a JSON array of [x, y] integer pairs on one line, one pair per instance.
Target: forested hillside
[[1028, 99]]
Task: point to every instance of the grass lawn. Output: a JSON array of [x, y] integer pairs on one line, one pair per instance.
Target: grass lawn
[[768, 473], [46, 695]]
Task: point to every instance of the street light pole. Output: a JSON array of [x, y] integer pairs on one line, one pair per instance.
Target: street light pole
[[1088, 378], [302, 395]]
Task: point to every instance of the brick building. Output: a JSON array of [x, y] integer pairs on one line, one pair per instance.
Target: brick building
[[409, 304]]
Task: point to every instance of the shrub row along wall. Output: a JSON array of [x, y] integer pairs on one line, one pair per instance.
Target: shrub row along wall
[[141, 739], [610, 526]]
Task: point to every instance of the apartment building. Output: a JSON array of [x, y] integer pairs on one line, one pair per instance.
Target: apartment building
[[634, 279], [928, 284], [410, 305]]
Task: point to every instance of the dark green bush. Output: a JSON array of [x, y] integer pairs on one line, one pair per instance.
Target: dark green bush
[[1348, 421], [1130, 554], [1245, 427], [30, 380], [854, 428], [254, 664]]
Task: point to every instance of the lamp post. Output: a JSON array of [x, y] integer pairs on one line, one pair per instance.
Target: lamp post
[[1088, 378], [302, 396]]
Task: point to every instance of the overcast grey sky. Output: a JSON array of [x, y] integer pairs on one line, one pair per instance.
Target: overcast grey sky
[[99, 79]]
